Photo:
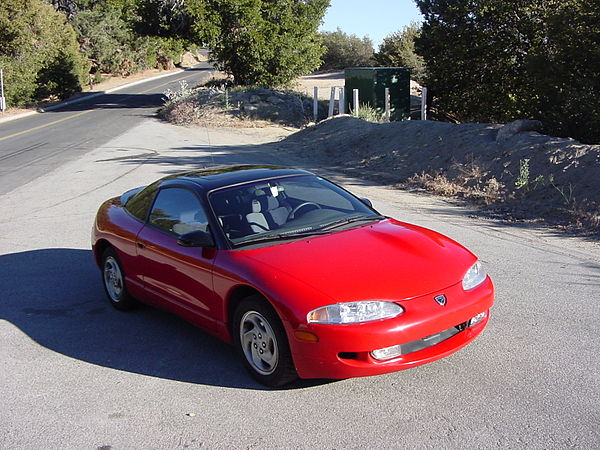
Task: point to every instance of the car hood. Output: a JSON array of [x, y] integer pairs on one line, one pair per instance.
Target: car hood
[[387, 260]]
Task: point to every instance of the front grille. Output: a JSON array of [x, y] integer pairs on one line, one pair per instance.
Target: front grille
[[432, 340]]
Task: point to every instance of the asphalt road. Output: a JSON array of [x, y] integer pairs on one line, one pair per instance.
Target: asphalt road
[[75, 373], [32, 146]]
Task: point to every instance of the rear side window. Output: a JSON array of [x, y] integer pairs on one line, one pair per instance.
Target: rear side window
[[139, 204], [178, 211]]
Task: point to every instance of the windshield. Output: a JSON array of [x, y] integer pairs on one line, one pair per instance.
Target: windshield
[[285, 208]]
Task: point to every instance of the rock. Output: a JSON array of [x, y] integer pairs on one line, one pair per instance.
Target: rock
[[517, 126], [189, 59], [263, 91], [250, 109], [274, 100]]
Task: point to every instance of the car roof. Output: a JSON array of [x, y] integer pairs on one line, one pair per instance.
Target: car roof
[[222, 176]]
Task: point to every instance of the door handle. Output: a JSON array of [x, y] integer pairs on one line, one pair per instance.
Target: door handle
[[140, 244]]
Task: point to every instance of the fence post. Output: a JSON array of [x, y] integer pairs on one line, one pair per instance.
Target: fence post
[[387, 104], [316, 103], [331, 102], [355, 102], [342, 101], [2, 100], [423, 103]]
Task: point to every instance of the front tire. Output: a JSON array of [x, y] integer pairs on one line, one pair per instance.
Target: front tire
[[113, 280], [261, 342]]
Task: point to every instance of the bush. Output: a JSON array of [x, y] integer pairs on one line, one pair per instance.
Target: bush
[[497, 61], [346, 50], [398, 50], [106, 40], [38, 52], [112, 45]]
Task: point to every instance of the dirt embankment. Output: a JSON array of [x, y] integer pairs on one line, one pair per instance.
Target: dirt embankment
[[522, 176]]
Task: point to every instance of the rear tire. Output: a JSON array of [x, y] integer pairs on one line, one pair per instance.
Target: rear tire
[[261, 342], [113, 280]]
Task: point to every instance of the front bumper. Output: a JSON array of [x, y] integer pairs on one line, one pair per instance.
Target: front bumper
[[343, 351]]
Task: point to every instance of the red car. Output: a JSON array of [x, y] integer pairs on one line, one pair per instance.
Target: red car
[[305, 279]]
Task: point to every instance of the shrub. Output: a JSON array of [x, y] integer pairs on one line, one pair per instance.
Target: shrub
[[346, 50], [398, 50], [38, 52], [497, 61]]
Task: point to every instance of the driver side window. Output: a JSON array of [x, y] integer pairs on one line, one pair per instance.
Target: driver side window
[[178, 211]]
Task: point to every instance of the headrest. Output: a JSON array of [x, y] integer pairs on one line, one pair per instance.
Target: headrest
[[264, 203]]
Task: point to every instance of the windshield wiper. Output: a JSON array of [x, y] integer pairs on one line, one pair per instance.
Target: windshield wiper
[[339, 223], [317, 231], [277, 237]]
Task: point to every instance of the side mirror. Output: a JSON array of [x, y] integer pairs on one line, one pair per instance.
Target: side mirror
[[367, 202], [196, 239]]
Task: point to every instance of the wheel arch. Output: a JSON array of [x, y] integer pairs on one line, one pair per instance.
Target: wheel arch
[[235, 297], [99, 247]]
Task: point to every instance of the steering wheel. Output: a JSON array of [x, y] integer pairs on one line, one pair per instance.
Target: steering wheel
[[293, 212]]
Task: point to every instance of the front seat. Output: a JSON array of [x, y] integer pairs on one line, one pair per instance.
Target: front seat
[[267, 214]]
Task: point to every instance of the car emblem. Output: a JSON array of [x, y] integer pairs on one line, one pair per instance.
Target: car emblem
[[440, 299]]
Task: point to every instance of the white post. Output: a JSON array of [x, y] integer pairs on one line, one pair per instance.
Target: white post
[[342, 101], [316, 103], [423, 103], [331, 102], [2, 100], [387, 104], [355, 102]]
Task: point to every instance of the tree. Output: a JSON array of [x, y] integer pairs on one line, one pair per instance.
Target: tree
[[38, 52], [106, 39], [346, 50], [398, 50], [496, 61], [166, 18], [262, 42]]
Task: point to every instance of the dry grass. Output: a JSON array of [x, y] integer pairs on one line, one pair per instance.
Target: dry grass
[[462, 180], [190, 113]]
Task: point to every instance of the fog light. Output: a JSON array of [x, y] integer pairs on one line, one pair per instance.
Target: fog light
[[387, 353], [478, 318]]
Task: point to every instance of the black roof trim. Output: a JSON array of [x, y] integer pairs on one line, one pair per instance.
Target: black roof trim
[[222, 176]]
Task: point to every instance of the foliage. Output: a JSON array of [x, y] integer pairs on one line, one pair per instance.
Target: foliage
[[108, 39], [166, 18], [183, 92], [398, 50], [346, 50], [38, 52], [496, 61], [369, 113], [523, 177], [260, 42]]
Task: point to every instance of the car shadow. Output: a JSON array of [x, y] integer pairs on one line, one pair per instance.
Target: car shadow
[[55, 296]]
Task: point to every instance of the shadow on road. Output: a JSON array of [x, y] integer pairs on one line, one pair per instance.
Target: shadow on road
[[123, 100], [114, 101], [55, 296]]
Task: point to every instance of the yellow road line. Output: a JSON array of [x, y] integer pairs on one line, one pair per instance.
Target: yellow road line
[[45, 125]]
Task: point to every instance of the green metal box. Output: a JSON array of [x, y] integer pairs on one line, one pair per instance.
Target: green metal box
[[371, 83]]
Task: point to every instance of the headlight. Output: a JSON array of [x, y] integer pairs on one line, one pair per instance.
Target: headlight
[[474, 276], [354, 312]]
